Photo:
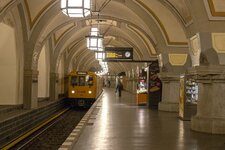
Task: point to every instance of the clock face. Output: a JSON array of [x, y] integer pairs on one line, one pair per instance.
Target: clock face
[[127, 54]]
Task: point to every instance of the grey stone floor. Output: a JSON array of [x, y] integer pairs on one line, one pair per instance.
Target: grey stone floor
[[121, 125]]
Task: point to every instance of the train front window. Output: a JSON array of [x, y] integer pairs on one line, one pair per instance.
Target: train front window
[[90, 81], [74, 81], [82, 80]]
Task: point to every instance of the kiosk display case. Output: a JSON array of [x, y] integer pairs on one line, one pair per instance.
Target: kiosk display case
[[191, 91], [188, 98], [142, 94]]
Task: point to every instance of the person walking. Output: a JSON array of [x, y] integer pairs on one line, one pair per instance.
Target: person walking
[[119, 88]]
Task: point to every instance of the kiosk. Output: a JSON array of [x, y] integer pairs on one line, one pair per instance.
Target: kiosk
[[142, 94]]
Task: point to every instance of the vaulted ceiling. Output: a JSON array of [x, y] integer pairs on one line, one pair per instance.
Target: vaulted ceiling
[[149, 26]]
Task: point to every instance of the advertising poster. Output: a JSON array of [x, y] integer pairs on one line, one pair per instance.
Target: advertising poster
[[181, 102]]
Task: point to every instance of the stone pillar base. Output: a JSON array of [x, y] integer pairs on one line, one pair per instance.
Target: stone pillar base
[[166, 106], [210, 116], [170, 92], [208, 125]]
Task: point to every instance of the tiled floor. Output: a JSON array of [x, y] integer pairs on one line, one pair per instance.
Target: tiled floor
[[121, 125]]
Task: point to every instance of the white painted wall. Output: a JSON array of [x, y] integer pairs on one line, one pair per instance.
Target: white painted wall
[[8, 67], [43, 77], [61, 76]]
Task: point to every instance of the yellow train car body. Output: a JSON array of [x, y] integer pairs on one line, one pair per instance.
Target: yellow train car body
[[83, 88]]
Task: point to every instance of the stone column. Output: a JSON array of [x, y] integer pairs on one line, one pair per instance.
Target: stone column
[[54, 78], [170, 92], [210, 117], [30, 89]]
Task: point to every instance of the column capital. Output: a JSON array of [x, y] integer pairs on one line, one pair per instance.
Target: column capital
[[30, 72], [169, 76], [33, 74], [54, 74], [207, 74]]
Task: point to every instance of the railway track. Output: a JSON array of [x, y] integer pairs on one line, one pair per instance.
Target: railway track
[[52, 134]]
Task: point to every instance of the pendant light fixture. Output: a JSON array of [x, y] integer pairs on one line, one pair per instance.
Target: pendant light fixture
[[95, 40], [100, 55], [76, 8]]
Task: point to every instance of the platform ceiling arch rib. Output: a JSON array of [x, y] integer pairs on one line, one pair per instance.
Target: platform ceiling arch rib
[[151, 27]]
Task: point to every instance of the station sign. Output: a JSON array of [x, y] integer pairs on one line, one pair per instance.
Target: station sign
[[118, 53], [81, 72]]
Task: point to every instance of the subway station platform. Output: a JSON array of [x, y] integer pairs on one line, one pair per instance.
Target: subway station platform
[[121, 125]]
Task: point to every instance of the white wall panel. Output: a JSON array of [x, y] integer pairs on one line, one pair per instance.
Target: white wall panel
[[8, 66], [43, 77]]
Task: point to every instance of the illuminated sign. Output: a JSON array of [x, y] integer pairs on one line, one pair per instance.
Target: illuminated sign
[[81, 73], [118, 53]]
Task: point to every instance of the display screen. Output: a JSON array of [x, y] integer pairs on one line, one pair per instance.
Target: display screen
[[118, 53]]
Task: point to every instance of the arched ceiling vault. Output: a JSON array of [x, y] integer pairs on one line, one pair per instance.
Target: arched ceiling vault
[[77, 49], [149, 26], [138, 39], [79, 46]]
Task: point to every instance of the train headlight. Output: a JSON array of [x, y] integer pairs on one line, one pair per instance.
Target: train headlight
[[73, 92], [89, 92]]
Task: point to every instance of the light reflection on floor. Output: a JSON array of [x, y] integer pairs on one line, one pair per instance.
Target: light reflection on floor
[[121, 125]]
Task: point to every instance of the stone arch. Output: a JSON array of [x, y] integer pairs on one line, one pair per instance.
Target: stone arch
[[78, 46]]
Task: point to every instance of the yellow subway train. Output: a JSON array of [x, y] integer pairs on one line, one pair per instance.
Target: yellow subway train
[[83, 88]]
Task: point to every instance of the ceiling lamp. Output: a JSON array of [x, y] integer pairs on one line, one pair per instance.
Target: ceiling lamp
[[95, 40], [100, 55], [76, 8]]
